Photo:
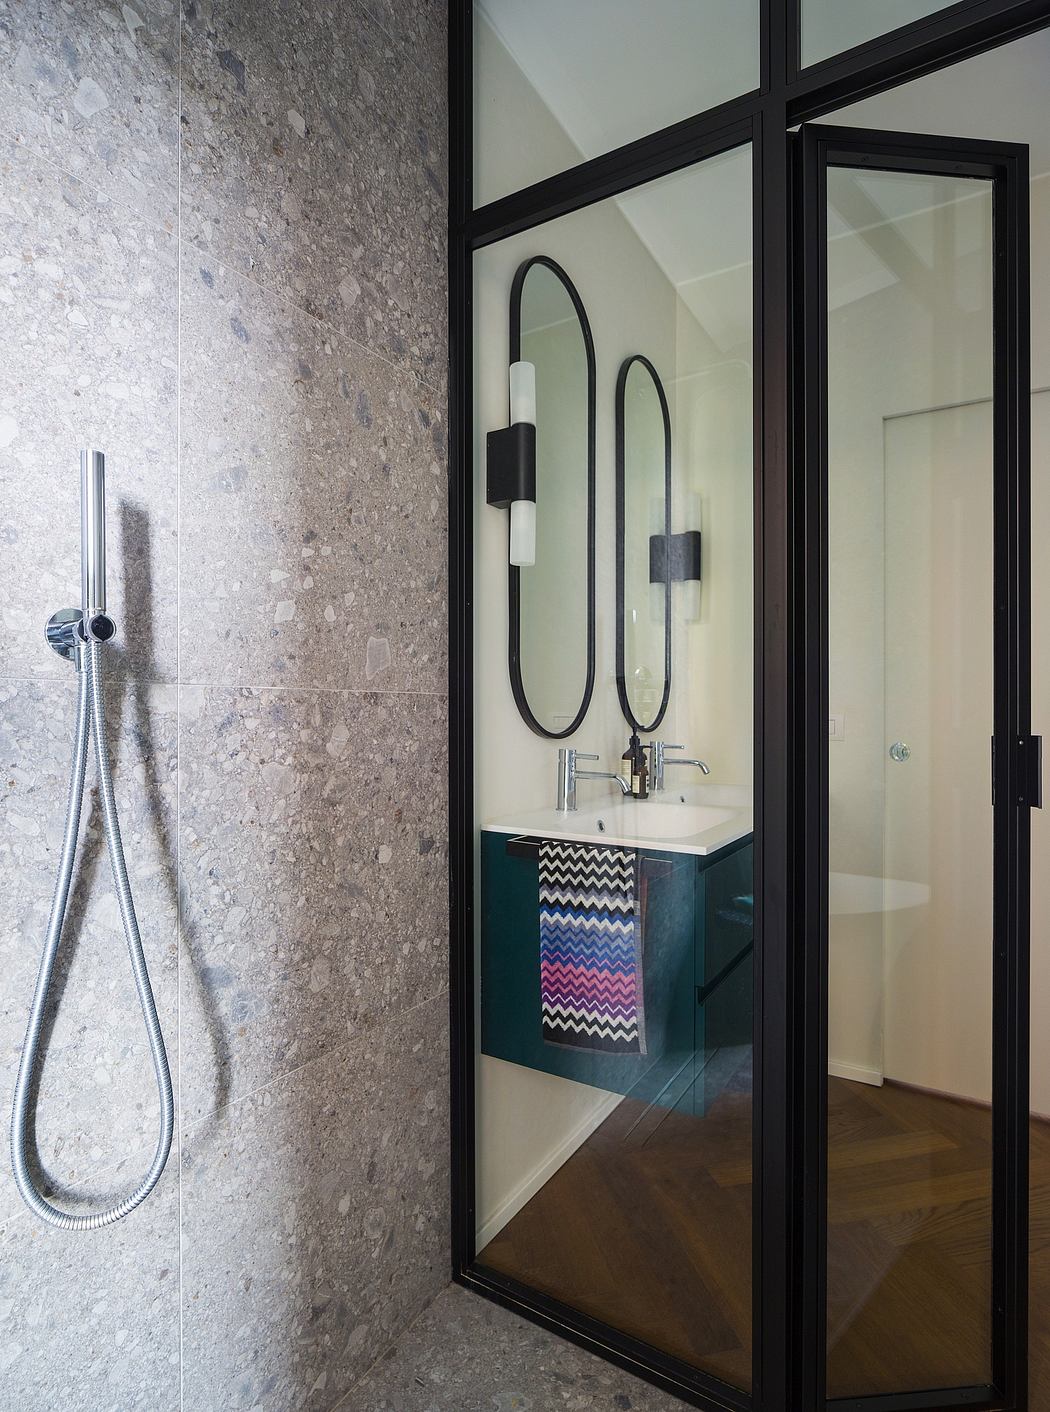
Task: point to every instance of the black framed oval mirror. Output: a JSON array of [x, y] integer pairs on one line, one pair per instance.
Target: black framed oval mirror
[[643, 534], [551, 602]]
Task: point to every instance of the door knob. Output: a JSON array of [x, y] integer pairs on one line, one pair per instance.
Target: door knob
[[900, 752]]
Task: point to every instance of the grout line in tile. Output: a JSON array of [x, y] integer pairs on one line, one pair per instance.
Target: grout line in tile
[[401, 369], [307, 689], [388, 1017], [182, 242], [442, 66], [105, 1167], [389, 1348], [178, 673], [316, 690], [90, 183], [393, 115]]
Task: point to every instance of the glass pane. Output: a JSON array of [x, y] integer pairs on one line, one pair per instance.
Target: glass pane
[[831, 26], [615, 938], [910, 888], [555, 84]]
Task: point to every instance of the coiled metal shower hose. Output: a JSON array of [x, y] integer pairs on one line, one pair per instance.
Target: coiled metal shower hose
[[91, 720]]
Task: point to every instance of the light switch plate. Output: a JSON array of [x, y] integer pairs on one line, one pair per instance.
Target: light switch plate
[[836, 727]]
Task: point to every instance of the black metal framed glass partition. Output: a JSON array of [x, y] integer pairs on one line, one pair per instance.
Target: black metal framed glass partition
[[880, 552]]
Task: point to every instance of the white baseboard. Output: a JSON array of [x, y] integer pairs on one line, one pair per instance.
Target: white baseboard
[[527, 1189], [857, 1073]]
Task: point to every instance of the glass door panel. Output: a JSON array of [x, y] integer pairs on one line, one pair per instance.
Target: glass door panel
[[910, 856], [616, 931], [914, 467]]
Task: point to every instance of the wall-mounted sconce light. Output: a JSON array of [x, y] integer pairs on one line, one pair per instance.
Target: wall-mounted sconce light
[[676, 559], [512, 465], [691, 586]]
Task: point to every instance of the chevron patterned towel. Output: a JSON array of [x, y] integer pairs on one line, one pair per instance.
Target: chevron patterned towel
[[591, 948]]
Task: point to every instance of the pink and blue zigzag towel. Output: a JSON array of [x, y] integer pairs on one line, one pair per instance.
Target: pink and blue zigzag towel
[[590, 948]]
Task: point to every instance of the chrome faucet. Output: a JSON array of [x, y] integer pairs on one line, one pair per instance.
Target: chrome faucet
[[568, 774], [658, 764]]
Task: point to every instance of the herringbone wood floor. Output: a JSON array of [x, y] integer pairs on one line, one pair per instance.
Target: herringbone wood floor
[[648, 1227]]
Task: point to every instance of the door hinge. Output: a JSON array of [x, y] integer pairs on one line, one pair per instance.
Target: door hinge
[[1030, 770]]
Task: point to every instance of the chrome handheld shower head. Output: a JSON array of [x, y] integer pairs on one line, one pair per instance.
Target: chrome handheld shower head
[[93, 531], [97, 626]]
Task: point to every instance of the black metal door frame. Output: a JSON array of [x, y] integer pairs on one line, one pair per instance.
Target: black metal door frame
[[1005, 168], [788, 1153]]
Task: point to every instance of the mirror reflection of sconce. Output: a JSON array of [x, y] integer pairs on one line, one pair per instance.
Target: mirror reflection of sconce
[[512, 465], [676, 558]]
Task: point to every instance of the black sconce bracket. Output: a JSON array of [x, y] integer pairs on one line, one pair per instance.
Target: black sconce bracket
[[674, 558], [511, 463]]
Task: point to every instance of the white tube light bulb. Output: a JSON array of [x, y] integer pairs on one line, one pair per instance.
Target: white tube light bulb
[[523, 533], [523, 512], [523, 393]]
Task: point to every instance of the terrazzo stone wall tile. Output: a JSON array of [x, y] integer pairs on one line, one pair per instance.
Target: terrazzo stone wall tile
[[418, 29], [314, 523], [94, 89], [465, 1354], [314, 876], [97, 1093], [314, 1220], [222, 261], [88, 292], [90, 1322], [314, 160]]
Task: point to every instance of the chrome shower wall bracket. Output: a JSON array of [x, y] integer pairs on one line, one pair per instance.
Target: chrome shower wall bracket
[[68, 631], [63, 634]]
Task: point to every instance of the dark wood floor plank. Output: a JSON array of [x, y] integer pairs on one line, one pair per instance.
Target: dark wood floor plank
[[648, 1227]]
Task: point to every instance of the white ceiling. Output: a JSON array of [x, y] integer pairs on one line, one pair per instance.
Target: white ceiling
[[830, 26], [592, 62], [614, 70]]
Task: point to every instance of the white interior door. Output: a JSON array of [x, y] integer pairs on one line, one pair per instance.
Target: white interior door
[[937, 817]]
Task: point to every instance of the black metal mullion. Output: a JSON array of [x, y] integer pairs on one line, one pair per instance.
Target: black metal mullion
[[461, 642], [811, 669], [1012, 820], [716, 131]]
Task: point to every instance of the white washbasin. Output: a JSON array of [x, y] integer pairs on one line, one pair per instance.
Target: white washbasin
[[671, 820], [675, 823]]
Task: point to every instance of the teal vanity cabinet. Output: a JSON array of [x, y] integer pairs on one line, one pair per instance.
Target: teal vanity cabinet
[[696, 970]]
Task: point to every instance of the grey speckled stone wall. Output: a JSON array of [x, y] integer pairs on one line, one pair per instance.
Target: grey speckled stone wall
[[222, 261]]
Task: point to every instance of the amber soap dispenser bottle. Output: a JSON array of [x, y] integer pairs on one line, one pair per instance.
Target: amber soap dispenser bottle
[[638, 771]]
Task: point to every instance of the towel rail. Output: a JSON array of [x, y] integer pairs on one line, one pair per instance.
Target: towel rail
[[527, 846]]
